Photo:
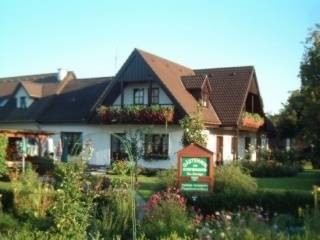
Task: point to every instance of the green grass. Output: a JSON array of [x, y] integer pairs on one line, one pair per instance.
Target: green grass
[[304, 181], [146, 185]]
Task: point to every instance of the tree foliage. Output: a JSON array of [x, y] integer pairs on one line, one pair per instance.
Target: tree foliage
[[193, 129], [3, 154], [300, 117]]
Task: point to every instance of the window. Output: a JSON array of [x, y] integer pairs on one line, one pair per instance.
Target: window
[[155, 96], [138, 96], [3, 102], [117, 148], [71, 144], [23, 102], [205, 100], [247, 143], [156, 146]]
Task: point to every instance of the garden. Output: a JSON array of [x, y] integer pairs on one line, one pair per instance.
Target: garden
[[69, 201]]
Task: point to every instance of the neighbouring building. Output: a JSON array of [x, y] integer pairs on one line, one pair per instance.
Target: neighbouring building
[[149, 93]]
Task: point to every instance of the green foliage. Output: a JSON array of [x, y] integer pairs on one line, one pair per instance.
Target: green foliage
[[120, 167], [113, 214], [271, 201], [193, 129], [31, 196], [7, 222], [271, 169], [166, 213], [136, 114], [71, 212], [233, 179], [3, 155], [42, 165], [167, 177]]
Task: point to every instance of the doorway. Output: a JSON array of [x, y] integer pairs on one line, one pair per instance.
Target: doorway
[[219, 159]]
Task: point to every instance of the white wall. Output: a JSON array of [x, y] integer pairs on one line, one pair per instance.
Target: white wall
[[241, 147], [128, 94], [22, 93], [100, 135]]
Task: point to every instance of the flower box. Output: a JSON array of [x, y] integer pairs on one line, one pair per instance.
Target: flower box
[[136, 114], [251, 120]]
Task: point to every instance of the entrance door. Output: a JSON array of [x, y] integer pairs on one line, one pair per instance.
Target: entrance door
[[219, 159]]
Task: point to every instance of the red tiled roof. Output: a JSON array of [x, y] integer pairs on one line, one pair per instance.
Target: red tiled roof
[[229, 90]]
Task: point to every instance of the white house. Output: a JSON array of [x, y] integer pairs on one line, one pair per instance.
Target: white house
[[137, 98]]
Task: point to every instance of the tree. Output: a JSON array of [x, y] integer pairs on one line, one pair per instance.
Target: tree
[[193, 129], [310, 90], [3, 154]]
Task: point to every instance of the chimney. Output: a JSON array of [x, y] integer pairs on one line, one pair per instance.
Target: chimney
[[62, 73]]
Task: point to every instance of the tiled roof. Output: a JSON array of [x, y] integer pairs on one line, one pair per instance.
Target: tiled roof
[[193, 81], [170, 74], [229, 90], [72, 103]]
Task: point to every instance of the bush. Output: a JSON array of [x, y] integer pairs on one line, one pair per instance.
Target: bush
[[271, 169], [121, 167], [233, 179], [3, 155], [31, 197], [167, 177], [113, 214], [72, 210], [148, 172], [7, 222], [43, 165], [7, 199], [166, 213], [272, 201]]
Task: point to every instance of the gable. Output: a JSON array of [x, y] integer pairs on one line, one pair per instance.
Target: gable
[[22, 93]]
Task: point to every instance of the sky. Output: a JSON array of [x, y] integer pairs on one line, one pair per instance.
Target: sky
[[93, 38]]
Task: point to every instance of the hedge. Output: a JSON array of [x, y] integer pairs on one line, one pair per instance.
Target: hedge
[[271, 201]]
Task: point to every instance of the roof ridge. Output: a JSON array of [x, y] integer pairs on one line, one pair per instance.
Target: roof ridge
[[16, 78], [225, 68], [163, 59]]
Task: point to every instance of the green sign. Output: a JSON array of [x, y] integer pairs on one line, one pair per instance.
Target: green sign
[[195, 166], [193, 186]]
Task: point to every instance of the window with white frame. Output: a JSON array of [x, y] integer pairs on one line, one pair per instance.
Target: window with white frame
[[156, 146]]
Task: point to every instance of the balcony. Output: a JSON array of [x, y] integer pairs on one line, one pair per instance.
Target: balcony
[[252, 120], [155, 114]]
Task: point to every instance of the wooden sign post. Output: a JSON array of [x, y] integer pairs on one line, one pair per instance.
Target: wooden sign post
[[195, 169]]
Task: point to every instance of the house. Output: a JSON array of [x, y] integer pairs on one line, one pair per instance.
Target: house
[[148, 92]]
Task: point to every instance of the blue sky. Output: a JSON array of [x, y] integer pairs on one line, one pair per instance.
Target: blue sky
[[85, 36]]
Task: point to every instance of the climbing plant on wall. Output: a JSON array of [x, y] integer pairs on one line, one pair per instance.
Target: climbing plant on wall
[[3, 154]]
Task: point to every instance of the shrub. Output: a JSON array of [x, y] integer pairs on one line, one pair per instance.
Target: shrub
[[72, 210], [31, 196], [43, 165], [272, 201], [3, 155], [7, 222], [193, 129], [166, 213], [271, 169], [121, 167], [148, 172], [233, 179], [113, 214], [167, 177]]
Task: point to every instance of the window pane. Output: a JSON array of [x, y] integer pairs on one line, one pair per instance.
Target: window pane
[[155, 96], [72, 143], [156, 146], [138, 96]]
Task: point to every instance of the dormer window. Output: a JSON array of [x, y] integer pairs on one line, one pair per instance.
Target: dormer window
[[205, 100], [3, 102], [138, 96], [23, 102]]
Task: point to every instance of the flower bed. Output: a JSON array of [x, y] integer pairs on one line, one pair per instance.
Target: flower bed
[[252, 120], [136, 114]]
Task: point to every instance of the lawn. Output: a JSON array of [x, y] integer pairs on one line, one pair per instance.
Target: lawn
[[304, 181], [146, 185]]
